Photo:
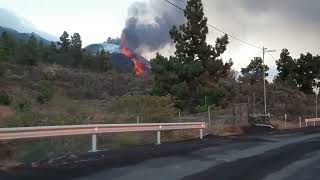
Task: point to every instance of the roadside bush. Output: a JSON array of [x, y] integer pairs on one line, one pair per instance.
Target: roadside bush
[[23, 105], [4, 98], [46, 94]]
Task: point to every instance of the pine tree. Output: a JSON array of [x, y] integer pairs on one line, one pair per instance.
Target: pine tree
[[287, 68], [196, 65], [64, 42], [76, 42], [75, 49], [192, 48], [253, 73]]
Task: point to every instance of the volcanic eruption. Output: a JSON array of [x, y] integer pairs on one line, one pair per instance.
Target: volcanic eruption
[[142, 66], [146, 31]]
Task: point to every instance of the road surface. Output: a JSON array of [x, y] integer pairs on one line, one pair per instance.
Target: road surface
[[278, 156]]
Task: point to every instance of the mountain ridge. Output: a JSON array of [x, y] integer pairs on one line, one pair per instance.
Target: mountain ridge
[[23, 36]]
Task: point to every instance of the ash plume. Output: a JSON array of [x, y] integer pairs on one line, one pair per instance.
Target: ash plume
[[148, 24]]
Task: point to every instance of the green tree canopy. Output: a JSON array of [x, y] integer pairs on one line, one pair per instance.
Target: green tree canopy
[[64, 42], [308, 70], [287, 68], [75, 49], [76, 42], [298, 73], [253, 73]]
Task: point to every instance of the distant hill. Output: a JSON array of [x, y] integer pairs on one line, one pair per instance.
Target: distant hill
[[22, 36], [122, 63], [111, 48]]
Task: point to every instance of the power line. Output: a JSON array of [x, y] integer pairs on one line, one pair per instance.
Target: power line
[[218, 29], [174, 5], [272, 56]]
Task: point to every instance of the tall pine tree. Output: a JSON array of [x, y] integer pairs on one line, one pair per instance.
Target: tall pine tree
[[287, 68], [76, 51], [196, 65], [64, 42]]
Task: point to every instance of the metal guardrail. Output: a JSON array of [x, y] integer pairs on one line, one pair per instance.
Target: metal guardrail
[[314, 120], [94, 130]]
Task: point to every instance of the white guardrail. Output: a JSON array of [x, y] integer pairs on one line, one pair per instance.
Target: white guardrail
[[314, 120], [94, 130]]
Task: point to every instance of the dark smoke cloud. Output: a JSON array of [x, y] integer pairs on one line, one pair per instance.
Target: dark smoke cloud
[[10, 20], [147, 27]]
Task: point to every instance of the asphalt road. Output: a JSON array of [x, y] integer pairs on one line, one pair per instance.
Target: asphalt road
[[279, 156]]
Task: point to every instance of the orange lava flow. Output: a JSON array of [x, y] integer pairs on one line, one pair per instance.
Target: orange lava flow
[[138, 68], [127, 52]]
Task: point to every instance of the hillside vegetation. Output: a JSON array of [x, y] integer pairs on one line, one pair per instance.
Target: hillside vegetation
[[60, 83]]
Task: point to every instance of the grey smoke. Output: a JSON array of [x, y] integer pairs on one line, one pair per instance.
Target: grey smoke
[[9, 19], [148, 24]]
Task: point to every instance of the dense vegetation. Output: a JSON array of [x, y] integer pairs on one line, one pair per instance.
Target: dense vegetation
[[194, 77], [59, 83], [67, 52], [298, 73]]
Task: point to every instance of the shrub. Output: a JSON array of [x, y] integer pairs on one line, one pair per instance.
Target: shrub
[[23, 105], [4, 98], [46, 94]]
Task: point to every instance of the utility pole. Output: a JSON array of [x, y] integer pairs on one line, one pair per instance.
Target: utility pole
[[264, 80], [316, 90], [264, 84]]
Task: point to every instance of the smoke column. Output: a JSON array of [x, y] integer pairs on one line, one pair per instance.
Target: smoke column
[[148, 25]]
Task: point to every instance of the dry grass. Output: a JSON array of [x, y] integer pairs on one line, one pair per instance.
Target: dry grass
[[282, 125], [226, 130], [5, 113]]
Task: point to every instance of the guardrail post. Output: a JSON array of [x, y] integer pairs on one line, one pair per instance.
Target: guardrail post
[[201, 133], [158, 137], [285, 121], [314, 124], [94, 143], [300, 122], [306, 124], [209, 116]]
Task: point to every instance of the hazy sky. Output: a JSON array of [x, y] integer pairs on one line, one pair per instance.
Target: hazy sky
[[95, 20], [276, 24]]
